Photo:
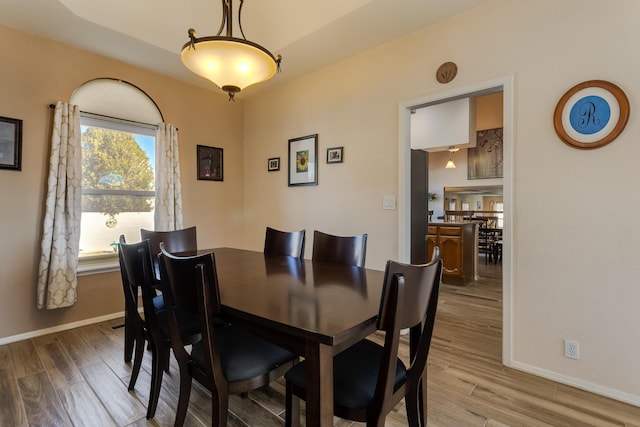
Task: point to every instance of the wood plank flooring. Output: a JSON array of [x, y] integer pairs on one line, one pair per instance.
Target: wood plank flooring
[[78, 378]]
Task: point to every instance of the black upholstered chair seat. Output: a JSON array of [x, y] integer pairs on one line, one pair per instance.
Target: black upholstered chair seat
[[355, 372], [242, 354], [158, 303]]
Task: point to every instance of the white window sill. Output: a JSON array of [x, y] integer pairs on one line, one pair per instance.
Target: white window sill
[[98, 265]]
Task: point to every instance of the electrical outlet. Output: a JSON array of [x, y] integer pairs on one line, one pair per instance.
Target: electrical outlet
[[571, 349]]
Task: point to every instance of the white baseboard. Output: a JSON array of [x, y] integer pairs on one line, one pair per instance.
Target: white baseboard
[[631, 399], [59, 328]]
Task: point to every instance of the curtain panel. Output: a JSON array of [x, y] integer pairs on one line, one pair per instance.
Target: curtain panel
[[168, 203], [57, 280]]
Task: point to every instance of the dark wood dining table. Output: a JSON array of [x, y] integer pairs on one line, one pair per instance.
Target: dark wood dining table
[[315, 309]]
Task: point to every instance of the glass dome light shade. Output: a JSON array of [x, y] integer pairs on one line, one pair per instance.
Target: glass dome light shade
[[230, 63]]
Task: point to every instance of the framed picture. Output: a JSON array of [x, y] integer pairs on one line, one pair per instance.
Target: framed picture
[[334, 155], [303, 160], [591, 114], [10, 143], [485, 160], [210, 165], [273, 164]]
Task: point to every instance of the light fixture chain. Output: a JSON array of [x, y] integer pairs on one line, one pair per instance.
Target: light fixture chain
[[225, 7], [240, 19]]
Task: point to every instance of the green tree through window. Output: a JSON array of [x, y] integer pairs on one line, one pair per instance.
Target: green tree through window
[[116, 173], [118, 184]]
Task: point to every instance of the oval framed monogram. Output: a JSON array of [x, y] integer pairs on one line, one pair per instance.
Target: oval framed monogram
[[591, 114]]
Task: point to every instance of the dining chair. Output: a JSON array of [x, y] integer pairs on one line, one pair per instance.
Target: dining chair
[[137, 271], [183, 240], [370, 379], [289, 243], [229, 360], [338, 249], [136, 334], [178, 241]]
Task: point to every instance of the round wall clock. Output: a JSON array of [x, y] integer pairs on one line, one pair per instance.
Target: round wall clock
[[591, 114]]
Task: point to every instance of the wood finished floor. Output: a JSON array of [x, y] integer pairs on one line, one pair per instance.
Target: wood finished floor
[[78, 378]]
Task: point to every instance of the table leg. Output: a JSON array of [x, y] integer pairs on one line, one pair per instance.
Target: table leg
[[319, 379]]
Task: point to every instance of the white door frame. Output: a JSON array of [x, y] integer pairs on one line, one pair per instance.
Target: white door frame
[[404, 188]]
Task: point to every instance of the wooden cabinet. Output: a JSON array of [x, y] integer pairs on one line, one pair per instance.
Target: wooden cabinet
[[458, 250]]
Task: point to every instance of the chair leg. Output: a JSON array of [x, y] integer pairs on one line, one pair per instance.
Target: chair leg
[[137, 361], [422, 399], [129, 339], [413, 409], [292, 406], [166, 356], [219, 409], [183, 399], [157, 361]]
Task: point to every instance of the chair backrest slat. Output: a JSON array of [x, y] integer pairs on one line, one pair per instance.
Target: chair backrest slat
[[138, 268], [289, 243], [420, 279], [184, 274], [176, 241], [130, 288], [350, 250]]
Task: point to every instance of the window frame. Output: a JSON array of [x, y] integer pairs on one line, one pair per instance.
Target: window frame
[[104, 263]]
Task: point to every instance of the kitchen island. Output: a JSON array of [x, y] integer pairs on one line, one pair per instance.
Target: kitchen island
[[458, 243]]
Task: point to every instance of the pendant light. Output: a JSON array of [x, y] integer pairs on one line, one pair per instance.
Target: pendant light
[[450, 164], [230, 62]]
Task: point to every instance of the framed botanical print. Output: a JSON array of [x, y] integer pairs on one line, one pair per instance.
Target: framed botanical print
[[303, 160], [334, 155]]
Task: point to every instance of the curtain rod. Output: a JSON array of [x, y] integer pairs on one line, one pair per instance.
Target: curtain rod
[[111, 117]]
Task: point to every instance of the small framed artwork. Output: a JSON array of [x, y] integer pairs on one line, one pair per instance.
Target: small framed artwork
[[591, 114], [210, 165], [334, 155], [10, 143], [303, 160], [486, 160], [273, 164]]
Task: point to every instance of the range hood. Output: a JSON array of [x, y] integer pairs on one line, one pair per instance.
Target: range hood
[[440, 126]]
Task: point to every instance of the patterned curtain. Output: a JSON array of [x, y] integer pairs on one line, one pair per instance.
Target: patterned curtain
[[57, 280], [168, 203]]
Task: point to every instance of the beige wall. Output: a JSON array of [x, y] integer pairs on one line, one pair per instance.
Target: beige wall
[[575, 271], [489, 111], [37, 72]]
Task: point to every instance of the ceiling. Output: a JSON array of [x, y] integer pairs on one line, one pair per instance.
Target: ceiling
[[309, 34]]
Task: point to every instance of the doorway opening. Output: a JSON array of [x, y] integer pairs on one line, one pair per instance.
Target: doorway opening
[[504, 84]]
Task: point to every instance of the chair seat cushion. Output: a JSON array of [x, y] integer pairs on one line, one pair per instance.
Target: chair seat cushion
[[355, 373], [242, 354], [158, 302]]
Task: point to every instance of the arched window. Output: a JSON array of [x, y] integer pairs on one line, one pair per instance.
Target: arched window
[[118, 124]]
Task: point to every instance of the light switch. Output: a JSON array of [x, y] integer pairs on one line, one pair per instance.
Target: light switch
[[388, 203]]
